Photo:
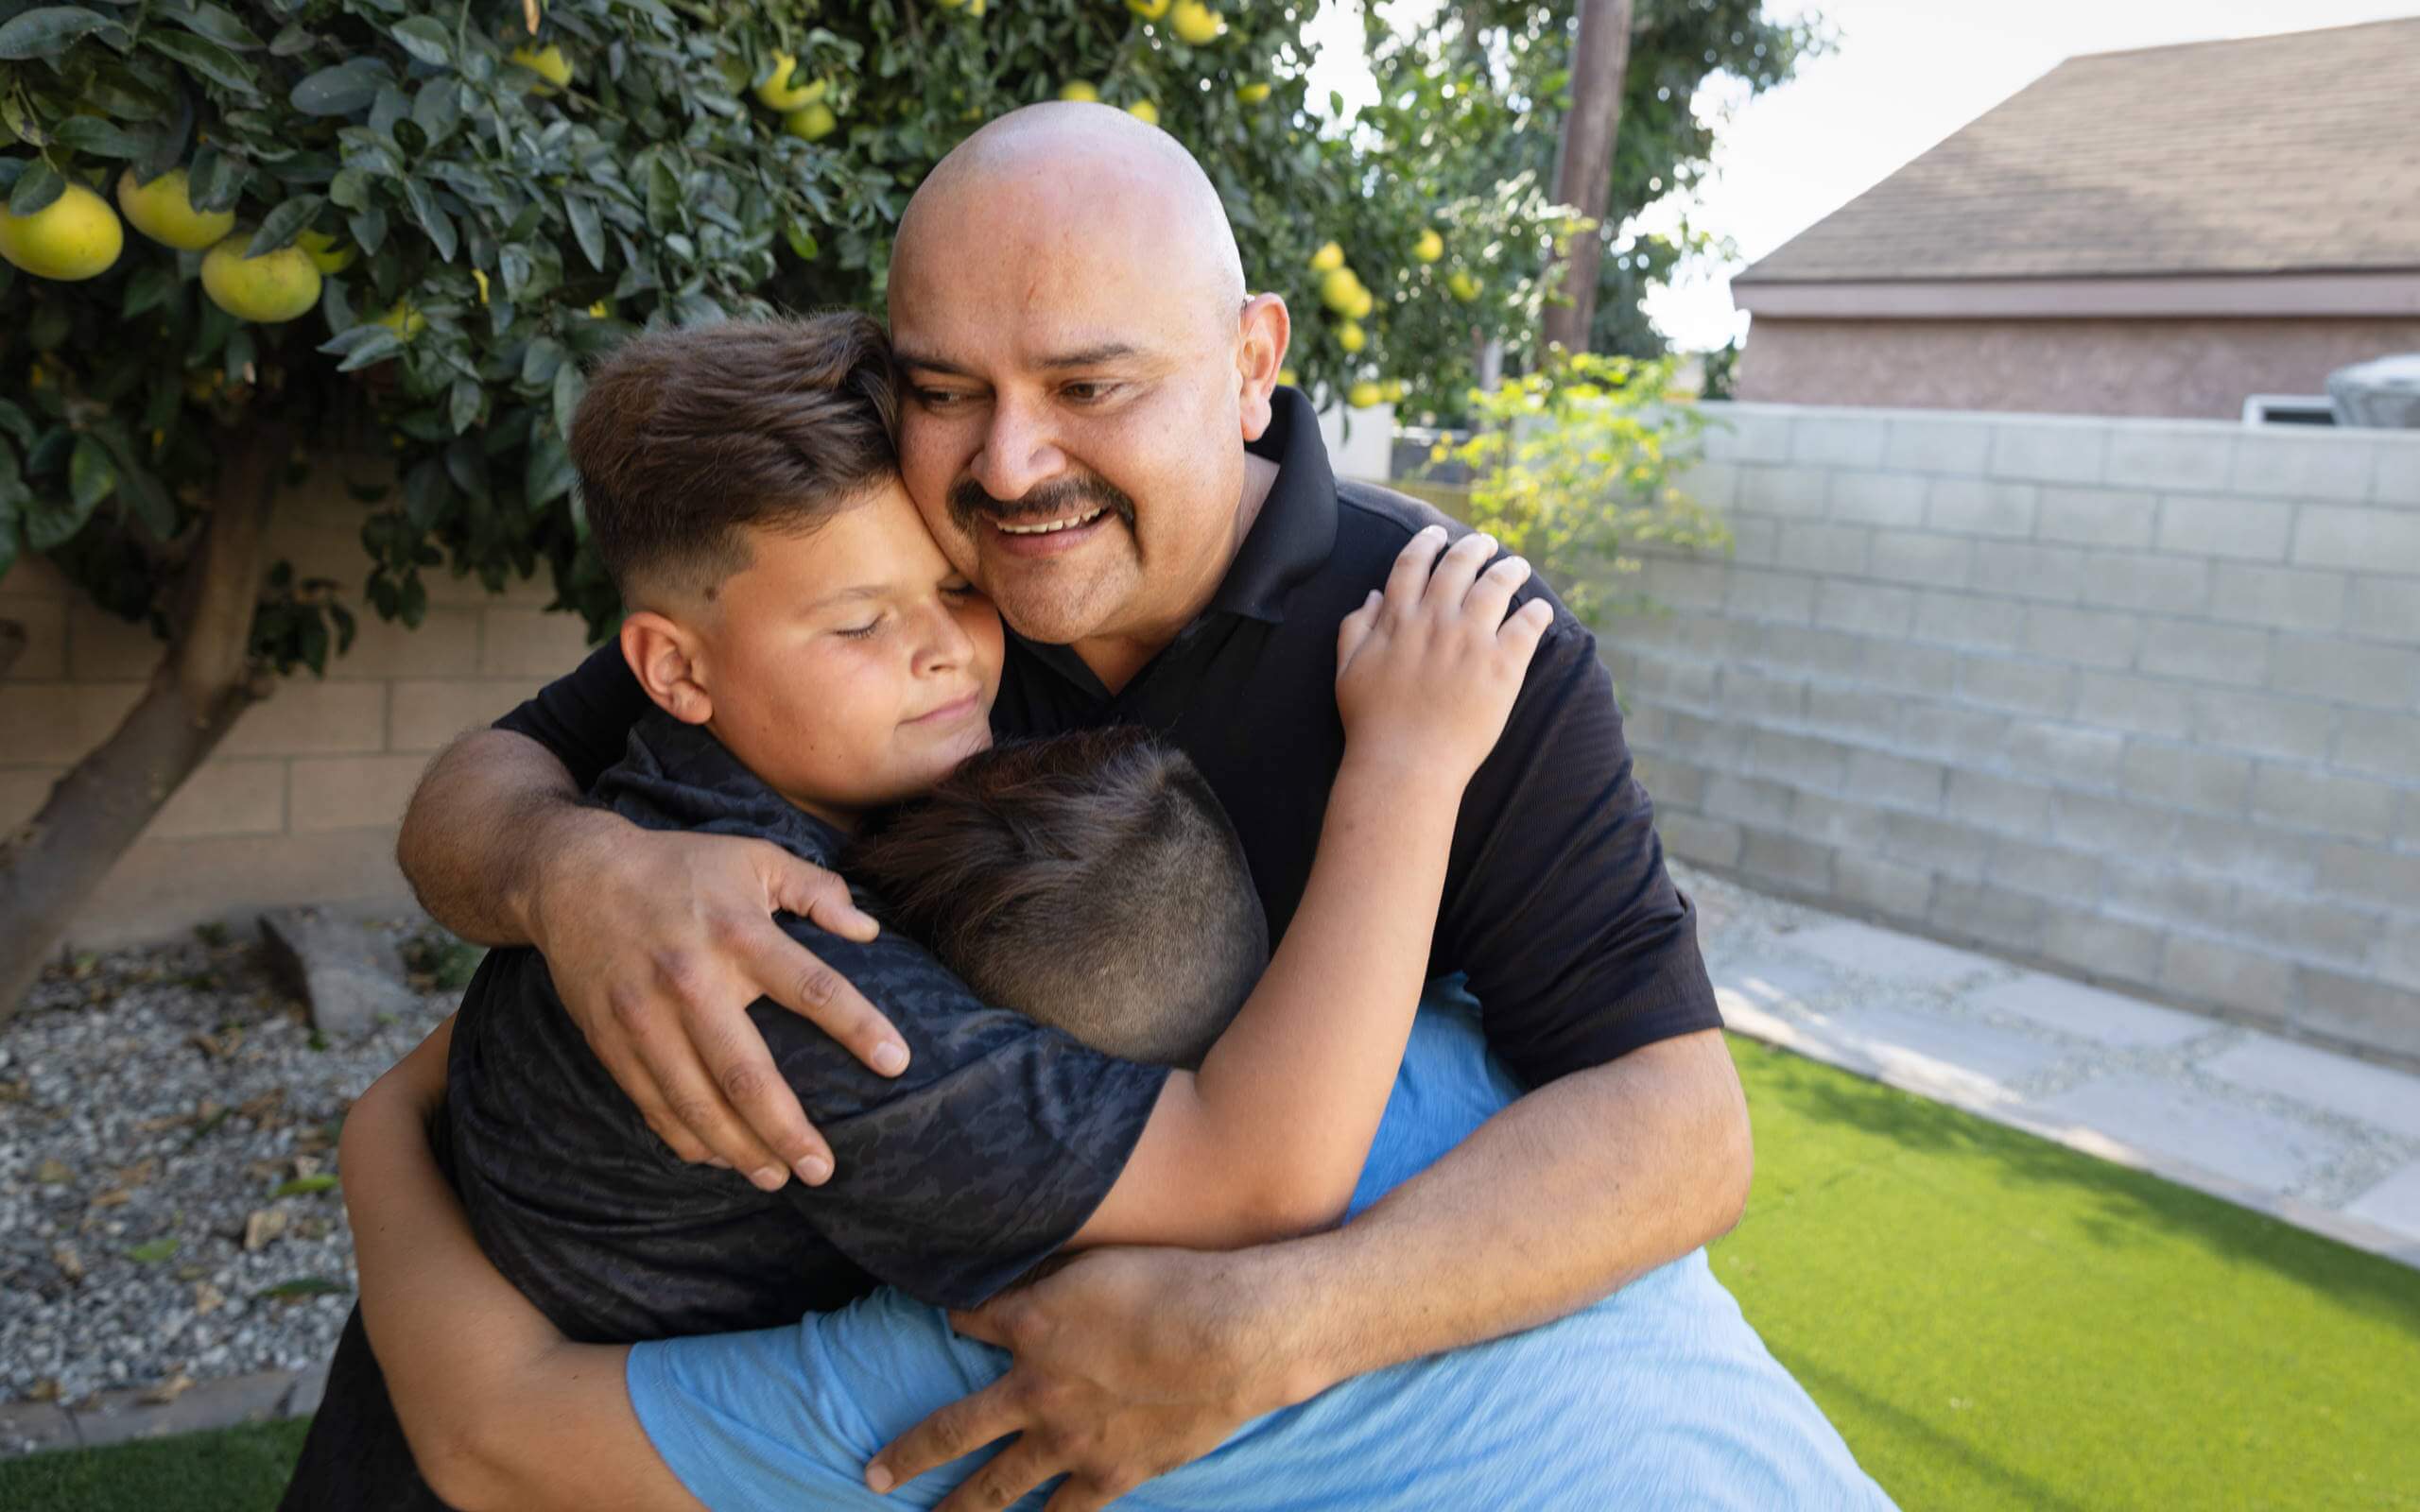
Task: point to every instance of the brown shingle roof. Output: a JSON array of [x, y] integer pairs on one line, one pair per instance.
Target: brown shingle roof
[[2267, 154]]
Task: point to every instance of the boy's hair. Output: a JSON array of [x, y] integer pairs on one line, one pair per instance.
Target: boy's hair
[[688, 437], [1090, 881]]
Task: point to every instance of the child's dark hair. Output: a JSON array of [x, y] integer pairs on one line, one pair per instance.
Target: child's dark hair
[[688, 436], [1090, 881]]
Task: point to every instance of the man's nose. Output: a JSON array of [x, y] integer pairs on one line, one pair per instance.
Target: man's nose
[[1018, 452]]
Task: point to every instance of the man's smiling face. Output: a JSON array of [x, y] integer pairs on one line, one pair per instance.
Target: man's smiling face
[[1080, 373]]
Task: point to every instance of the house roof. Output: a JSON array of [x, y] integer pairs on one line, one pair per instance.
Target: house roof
[[2289, 154]]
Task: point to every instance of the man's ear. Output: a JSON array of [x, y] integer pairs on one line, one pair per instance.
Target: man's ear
[[1267, 328], [664, 655]]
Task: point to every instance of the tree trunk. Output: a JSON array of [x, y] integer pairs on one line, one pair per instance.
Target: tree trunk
[[1583, 168], [50, 866]]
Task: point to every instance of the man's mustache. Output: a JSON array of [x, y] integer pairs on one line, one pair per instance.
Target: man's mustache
[[970, 505]]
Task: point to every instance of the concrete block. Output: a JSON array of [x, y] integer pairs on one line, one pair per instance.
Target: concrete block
[[347, 792], [1946, 849], [2050, 451], [103, 648], [1755, 542], [2290, 598], [519, 642], [1784, 983], [2216, 525], [1955, 735], [446, 645], [2166, 460], [159, 887], [1877, 498], [2357, 672], [1969, 620], [1925, 443], [2329, 465], [425, 713], [2155, 889], [33, 1427], [2307, 929], [2394, 1203], [2212, 970], [1938, 1054], [1815, 649], [2359, 538], [1895, 782], [1975, 508], [2065, 755], [1903, 666], [2397, 481], [2223, 846], [1695, 837], [1747, 800], [122, 1416], [1997, 802], [1755, 695], [1682, 583], [57, 722], [1788, 490], [2087, 637], [2089, 1013], [2188, 777], [2111, 948], [2207, 653], [2387, 609], [1866, 608], [1787, 859], [2142, 580], [1886, 887], [2096, 517], [1800, 761], [1922, 559], [224, 796], [1716, 485], [1885, 954], [1826, 549], [1696, 737], [2370, 874], [2109, 826], [42, 623], [1671, 779], [1788, 597], [348, 976], [2382, 745], [1839, 440], [1837, 821], [2358, 1009], [1866, 712], [2144, 706], [2052, 573], [2181, 1125], [1977, 910], [1735, 433], [306, 718], [2022, 687]]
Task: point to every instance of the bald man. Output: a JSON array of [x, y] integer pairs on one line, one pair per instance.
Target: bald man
[[1094, 432]]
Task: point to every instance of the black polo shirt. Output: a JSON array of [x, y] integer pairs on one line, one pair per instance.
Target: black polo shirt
[[1557, 904]]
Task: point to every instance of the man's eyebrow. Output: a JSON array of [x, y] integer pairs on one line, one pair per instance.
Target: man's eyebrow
[[918, 360]]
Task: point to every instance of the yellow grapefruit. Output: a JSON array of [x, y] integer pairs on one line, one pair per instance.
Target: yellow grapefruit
[[162, 210], [1145, 112], [814, 123], [1197, 22], [782, 92], [547, 62], [74, 236], [269, 289], [326, 253], [1328, 258], [1079, 91]]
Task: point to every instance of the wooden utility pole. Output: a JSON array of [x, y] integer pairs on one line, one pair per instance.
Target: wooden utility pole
[[1583, 168]]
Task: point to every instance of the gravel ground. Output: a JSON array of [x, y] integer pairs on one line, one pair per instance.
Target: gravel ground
[[168, 1209]]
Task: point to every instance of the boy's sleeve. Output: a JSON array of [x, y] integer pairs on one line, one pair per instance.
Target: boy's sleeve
[[585, 715], [1558, 906], [984, 1157]]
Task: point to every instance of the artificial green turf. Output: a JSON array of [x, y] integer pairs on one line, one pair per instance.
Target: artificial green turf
[[1996, 1322], [1992, 1321]]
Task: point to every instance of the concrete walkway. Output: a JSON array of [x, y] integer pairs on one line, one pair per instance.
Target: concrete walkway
[[2321, 1140]]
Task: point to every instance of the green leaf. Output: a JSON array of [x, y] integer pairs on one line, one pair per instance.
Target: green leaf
[[376, 344], [220, 27], [305, 1185], [569, 386], [432, 217], [348, 87], [13, 421], [538, 364], [214, 179], [147, 289], [802, 240], [369, 229], [142, 493], [426, 38], [279, 225], [45, 32], [463, 405], [36, 188], [292, 40], [586, 228], [153, 1253], [425, 496], [436, 109], [90, 133], [91, 475], [205, 58], [547, 475]]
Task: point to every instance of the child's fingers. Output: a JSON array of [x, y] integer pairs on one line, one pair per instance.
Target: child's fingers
[[1413, 567], [1356, 628], [1528, 625], [1492, 594], [1451, 582]]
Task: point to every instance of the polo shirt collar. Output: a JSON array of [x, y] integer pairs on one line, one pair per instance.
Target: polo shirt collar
[[1295, 532]]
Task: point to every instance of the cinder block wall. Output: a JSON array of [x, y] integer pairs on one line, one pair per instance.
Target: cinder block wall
[[300, 802], [2135, 698]]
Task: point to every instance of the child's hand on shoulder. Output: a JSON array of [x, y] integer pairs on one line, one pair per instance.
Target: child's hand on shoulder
[[1426, 670]]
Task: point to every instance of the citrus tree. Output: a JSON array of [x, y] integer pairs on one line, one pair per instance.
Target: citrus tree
[[245, 237]]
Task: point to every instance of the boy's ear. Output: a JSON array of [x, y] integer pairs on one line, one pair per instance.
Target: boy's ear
[[665, 658]]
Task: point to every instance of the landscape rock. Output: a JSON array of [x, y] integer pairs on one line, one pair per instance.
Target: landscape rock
[[347, 975]]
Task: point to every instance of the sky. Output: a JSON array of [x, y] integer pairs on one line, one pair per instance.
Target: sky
[[1903, 75]]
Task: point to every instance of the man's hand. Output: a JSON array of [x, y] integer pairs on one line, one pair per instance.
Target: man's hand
[[659, 941], [1129, 1364]]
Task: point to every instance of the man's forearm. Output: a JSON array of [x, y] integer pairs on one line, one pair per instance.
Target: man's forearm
[[1570, 1195], [478, 823]]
